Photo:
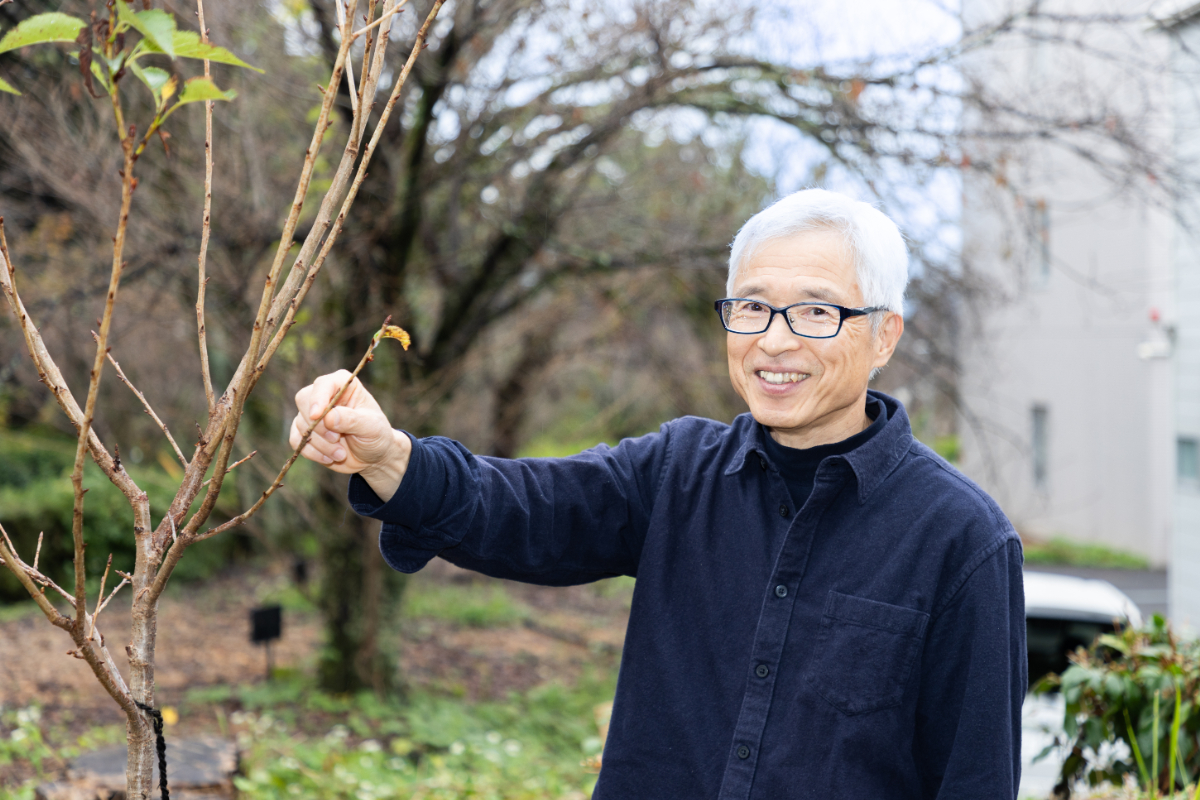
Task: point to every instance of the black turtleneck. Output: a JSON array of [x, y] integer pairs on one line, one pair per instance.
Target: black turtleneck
[[799, 466]]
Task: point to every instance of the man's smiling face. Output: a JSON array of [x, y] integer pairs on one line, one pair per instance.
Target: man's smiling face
[[807, 391]]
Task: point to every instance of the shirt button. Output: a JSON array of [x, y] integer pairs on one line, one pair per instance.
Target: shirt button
[[743, 752], [762, 462], [783, 510], [762, 670], [781, 591]]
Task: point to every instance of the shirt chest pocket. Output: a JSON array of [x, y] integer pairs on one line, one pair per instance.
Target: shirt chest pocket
[[865, 652]]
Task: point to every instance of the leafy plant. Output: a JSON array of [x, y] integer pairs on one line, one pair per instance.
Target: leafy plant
[[1131, 710]]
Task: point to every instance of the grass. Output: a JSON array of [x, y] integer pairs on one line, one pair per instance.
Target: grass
[[1061, 551], [471, 605], [298, 743], [25, 738]]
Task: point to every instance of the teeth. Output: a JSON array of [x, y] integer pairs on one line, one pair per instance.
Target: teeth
[[781, 377]]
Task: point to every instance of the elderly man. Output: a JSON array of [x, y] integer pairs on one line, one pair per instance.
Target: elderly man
[[824, 608]]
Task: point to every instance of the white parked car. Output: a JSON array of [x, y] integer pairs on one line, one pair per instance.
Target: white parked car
[[1062, 612]]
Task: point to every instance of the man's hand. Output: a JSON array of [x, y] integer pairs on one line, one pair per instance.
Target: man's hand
[[354, 437]]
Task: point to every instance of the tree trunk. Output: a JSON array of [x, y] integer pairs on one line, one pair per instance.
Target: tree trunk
[[139, 769], [512, 396], [359, 598], [143, 637]]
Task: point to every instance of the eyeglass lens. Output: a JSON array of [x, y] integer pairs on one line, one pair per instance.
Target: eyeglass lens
[[809, 319]]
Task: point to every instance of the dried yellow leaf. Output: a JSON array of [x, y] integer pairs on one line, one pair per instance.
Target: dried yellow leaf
[[397, 333]]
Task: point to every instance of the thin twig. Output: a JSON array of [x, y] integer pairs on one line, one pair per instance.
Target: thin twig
[[387, 16], [245, 515], [37, 553], [146, 405], [366, 61], [125, 580], [206, 228], [234, 465], [17, 567], [8, 541], [345, 30], [99, 598]]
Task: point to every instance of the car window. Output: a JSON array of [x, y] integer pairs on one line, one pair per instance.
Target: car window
[[1050, 641]]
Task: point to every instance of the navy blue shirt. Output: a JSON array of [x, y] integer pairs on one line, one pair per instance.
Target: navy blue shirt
[[868, 645]]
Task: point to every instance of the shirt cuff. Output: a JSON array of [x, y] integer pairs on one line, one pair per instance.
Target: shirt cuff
[[402, 541]]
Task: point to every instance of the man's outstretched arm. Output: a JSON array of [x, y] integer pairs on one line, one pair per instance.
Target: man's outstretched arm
[[543, 520]]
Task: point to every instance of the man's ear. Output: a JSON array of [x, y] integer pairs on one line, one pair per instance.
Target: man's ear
[[887, 339]]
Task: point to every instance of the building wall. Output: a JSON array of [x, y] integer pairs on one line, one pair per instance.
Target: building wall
[[1074, 273], [1184, 585]]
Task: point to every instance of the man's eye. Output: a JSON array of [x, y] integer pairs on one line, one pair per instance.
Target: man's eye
[[756, 307]]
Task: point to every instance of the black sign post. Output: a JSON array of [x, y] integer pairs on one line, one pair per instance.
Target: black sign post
[[266, 625]]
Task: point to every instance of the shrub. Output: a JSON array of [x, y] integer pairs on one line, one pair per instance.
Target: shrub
[[36, 496], [1131, 709]]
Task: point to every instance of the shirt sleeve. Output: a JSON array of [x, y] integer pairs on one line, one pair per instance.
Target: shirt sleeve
[[553, 521], [975, 675]]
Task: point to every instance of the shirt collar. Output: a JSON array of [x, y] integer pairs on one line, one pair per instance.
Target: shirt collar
[[871, 463]]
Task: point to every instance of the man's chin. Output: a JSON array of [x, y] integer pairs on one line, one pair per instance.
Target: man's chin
[[775, 419]]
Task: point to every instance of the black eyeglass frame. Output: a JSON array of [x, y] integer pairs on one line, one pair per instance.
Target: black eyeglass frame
[[844, 314]]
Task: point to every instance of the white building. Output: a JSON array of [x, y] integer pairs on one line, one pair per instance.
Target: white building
[[1080, 377]]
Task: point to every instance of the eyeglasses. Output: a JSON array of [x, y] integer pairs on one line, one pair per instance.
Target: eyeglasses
[[811, 320]]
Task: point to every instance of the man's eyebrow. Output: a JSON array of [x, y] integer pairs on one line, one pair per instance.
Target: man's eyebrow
[[818, 294], [824, 295]]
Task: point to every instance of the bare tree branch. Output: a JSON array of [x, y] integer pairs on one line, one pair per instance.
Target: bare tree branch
[[205, 231], [145, 404]]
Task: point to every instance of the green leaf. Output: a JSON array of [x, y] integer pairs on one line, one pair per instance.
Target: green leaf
[[197, 89], [188, 45], [99, 73], [154, 78], [157, 26], [51, 27], [1115, 642], [5, 87]]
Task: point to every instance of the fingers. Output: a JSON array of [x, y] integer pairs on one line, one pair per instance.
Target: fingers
[[343, 421], [323, 447], [355, 433], [312, 399]]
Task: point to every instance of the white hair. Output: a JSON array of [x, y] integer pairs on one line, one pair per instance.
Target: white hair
[[874, 243]]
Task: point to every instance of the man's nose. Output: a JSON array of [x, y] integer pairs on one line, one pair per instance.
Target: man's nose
[[778, 337]]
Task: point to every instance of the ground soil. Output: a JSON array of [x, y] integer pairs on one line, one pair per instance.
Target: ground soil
[[203, 641]]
